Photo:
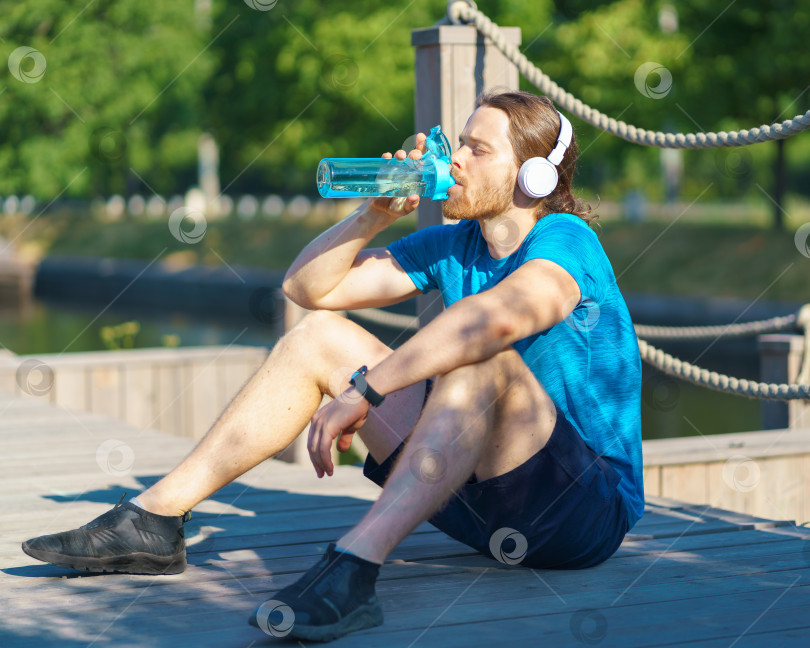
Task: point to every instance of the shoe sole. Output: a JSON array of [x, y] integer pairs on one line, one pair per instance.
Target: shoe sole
[[135, 563], [366, 616]]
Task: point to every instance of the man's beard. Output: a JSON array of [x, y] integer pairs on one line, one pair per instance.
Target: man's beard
[[494, 200]]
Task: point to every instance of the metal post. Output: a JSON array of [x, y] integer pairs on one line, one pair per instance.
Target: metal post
[[454, 64]]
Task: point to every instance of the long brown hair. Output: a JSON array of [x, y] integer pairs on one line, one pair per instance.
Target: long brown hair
[[533, 130]]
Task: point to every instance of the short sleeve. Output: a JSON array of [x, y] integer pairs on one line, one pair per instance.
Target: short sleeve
[[418, 254], [574, 247]]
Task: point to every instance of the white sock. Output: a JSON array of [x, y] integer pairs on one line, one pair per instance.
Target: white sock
[[137, 503]]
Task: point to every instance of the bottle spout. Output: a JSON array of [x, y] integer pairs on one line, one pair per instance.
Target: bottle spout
[[438, 148]]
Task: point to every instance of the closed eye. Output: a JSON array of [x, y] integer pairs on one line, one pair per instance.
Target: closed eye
[[475, 147]]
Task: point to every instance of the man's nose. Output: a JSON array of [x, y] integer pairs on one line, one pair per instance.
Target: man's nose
[[458, 158]]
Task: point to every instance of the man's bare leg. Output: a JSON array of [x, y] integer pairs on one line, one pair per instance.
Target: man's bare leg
[[316, 357], [486, 418]]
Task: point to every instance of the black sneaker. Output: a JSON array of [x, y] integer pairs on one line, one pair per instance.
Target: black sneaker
[[127, 540], [335, 597]]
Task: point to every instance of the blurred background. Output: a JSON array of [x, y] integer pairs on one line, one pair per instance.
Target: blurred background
[[157, 163]]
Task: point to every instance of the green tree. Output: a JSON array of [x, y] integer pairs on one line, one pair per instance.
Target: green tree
[[731, 67], [308, 80], [108, 87], [753, 70]]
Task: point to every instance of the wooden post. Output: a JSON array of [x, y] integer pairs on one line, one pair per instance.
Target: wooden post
[[780, 361], [454, 64]]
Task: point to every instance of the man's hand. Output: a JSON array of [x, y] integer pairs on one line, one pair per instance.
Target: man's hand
[[339, 419], [395, 208]]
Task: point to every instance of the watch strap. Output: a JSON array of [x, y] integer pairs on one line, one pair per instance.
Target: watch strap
[[358, 380]]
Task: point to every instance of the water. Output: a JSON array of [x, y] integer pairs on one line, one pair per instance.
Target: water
[[43, 328], [393, 189], [346, 177], [669, 407], [675, 408]]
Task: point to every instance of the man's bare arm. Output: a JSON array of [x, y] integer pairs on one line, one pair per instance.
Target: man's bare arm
[[535, 297], [335, 272]]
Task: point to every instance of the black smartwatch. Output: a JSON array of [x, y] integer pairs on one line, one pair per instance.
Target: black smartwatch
[[358, 380]]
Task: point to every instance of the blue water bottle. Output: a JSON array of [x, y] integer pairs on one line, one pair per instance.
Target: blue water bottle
[[428, 176]]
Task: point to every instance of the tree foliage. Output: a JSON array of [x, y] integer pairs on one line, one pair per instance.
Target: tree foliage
[[120, 91], [129, 87]]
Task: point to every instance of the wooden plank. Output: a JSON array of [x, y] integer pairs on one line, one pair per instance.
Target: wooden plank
[[696, 568], [652, 480], [415, 613], [403, 612], [686, 482], [105, 390], [201, 404], [168, 417], [140, 407], [70, 389], [804, 511], [623, 571]]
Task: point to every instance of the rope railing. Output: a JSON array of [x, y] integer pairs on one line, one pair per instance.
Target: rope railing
[[679, 368], [463, 11], [717, 381], [745, 329]]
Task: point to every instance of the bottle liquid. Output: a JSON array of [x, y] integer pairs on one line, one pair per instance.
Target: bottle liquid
[[429, 176]]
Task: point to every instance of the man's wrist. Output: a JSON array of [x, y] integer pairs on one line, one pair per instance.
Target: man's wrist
[[359, 382], [374, 217]]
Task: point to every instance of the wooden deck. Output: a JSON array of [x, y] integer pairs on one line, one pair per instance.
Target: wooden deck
[[687, 575]]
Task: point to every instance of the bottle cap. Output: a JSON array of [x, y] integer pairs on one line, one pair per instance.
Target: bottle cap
[[438, 145], [438, 149]]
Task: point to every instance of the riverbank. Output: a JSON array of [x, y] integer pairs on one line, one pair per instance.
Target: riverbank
[[666, 256]]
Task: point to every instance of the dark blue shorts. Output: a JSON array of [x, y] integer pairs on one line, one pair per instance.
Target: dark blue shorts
[[561, 509]]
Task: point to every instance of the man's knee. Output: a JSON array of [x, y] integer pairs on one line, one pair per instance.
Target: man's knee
[[318, 322], [315, 327], [332, 347]]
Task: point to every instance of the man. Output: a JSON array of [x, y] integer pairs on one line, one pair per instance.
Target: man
[[531, 428]]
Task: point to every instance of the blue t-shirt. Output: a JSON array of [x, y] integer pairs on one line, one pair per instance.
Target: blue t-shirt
[[593, 370]]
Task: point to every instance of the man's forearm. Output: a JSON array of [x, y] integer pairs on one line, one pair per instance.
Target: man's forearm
[[471, 330], [322, 264]]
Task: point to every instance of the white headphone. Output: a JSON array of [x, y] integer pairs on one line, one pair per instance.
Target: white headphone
[[537, 177]]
